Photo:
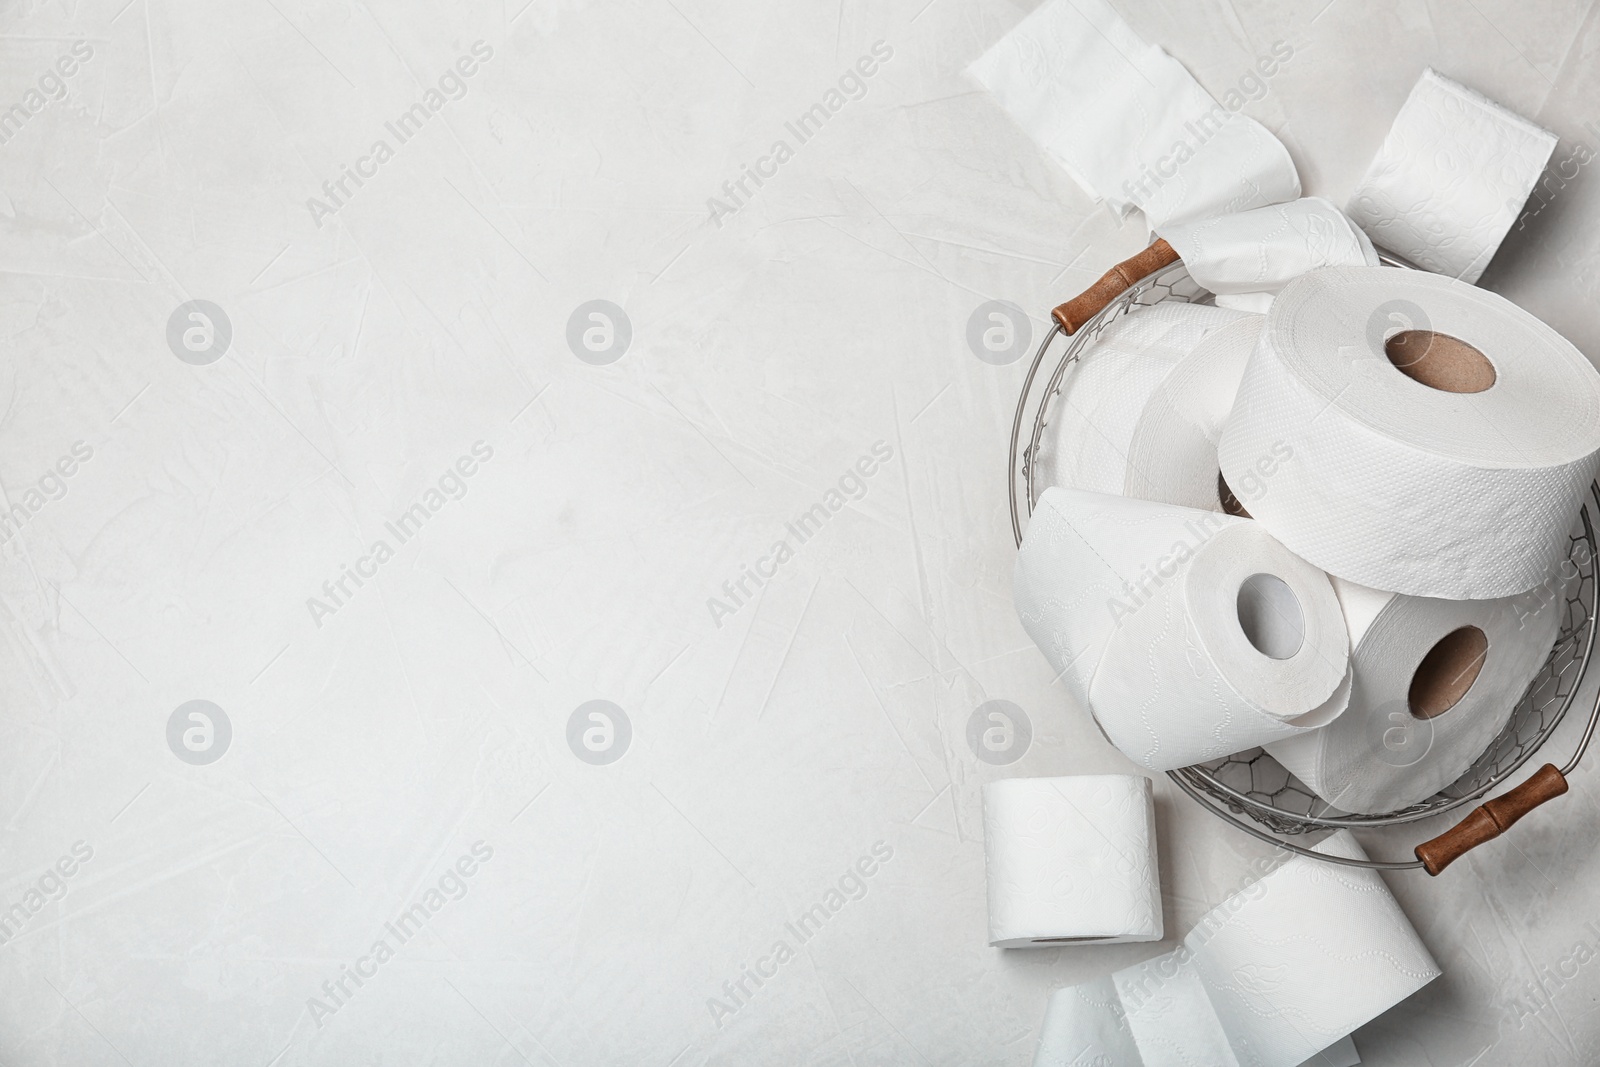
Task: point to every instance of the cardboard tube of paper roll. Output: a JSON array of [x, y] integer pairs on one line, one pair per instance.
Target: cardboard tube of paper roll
[[1433, 682]]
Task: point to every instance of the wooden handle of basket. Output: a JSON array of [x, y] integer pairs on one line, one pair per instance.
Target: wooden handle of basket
[[1490, 820], [1093, 300]]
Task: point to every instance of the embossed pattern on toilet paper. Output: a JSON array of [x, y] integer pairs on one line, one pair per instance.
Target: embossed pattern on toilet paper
[[1264, 249], [1090, 436], [1279, 972], [1135, 604], [1076, 565], [1378, 756], [1071, 857], [1172, 450], [1451, 178], [1179, 683], [1404, 487], [1085, 1025], [1110, 108]]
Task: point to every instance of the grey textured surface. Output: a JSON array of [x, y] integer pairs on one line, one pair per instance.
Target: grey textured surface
[[375, 740]]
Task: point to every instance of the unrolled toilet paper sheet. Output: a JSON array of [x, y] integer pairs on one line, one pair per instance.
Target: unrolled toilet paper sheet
[[1258, 252], [1451, 178], [1397, 485], [1127, 121], [1280, 971], [1071, 860]]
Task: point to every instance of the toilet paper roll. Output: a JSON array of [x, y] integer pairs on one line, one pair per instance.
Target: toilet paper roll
[[1433, 682], [1187, 634], [1377, 461], [1097, 422], [1276, 976], [1262, 250], [1085, 1026], [1071, 861], [1452, 176], [1128, 122], [1172, 449], [1321, 950]]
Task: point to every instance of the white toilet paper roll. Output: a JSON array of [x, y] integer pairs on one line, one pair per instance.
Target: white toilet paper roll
[[1446, 459], [1188, 634], [1433, 682], [1071, 861], [1262, 250], [1319, 950], [1452, 176], [1128, 122], [1276, 976], [1085, 1024], [1172, 449], [1097, 422]]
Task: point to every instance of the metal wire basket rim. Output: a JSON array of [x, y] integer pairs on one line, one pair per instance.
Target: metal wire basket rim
[[1199, 782]]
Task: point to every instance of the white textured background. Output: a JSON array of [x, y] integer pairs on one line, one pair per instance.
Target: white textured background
[[768, 353]]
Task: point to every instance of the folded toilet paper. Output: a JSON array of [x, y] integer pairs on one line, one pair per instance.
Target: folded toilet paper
[[1273, 977], [1446, 458], [1127, 121], [1071, 860], [1098, 419], [1452, 176], [1433, 682], [1262, 250], [1188, 634]]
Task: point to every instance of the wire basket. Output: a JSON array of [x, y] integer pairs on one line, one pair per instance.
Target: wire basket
[[1250, 789]]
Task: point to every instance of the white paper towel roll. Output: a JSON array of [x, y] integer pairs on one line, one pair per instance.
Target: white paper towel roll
[[1262, 250], [1071, 860], [1452, 176], [1128, 122], [1276, 974], [1384, 480], [1433, 682], [1187, 634], [1097, 423]]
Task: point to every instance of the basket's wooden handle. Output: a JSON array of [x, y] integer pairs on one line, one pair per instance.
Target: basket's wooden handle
[[1093, 300], [1491, 819]]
